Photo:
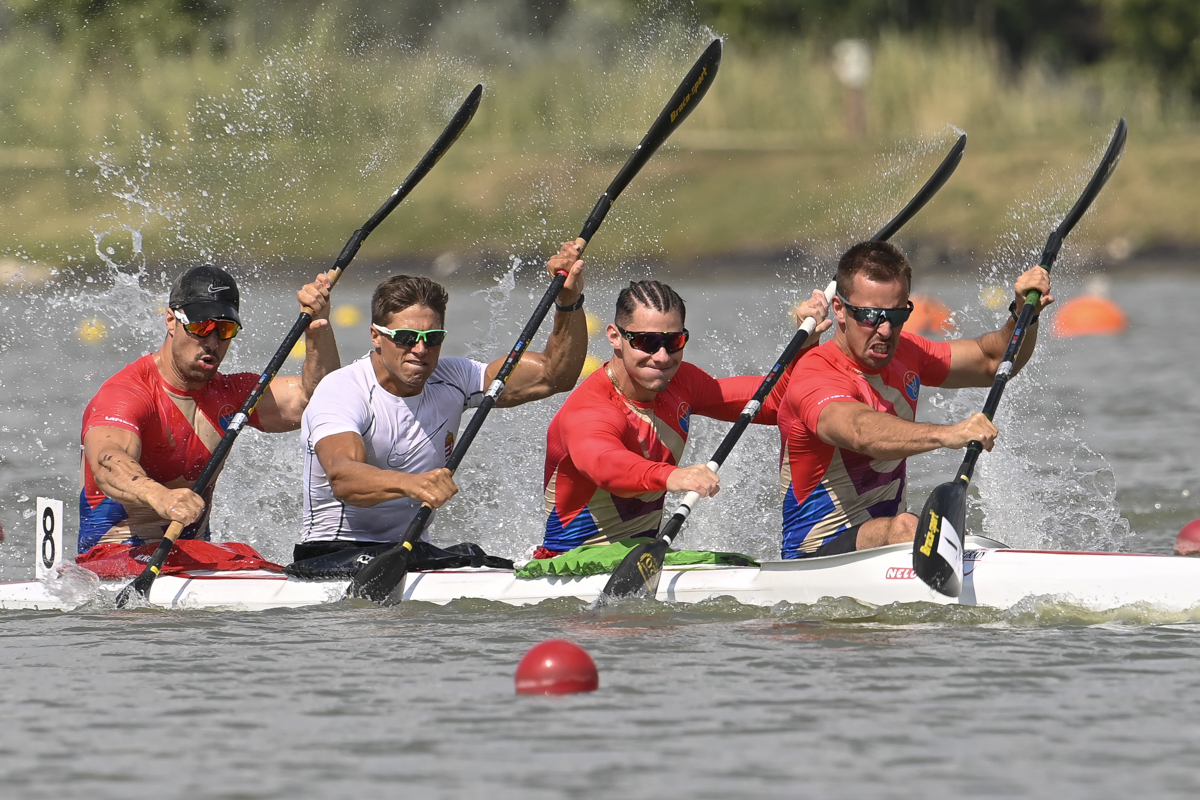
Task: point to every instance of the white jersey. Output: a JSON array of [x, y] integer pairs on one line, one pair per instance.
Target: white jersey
[[406, 434]]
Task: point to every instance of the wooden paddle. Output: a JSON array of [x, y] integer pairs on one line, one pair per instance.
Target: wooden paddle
[[640, 569], [142, 583], [938, 546], [381, 580]]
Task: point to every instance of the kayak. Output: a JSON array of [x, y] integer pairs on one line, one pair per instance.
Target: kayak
[[994, 575]]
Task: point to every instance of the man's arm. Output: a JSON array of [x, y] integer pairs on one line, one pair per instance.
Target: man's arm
[[343, 456], [113, 454], [973, 362], [285, 399], [539, 375], [857, 427]]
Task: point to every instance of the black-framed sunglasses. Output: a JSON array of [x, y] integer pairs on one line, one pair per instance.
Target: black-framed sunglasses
[[651, 341], [408, 337], [877, 316]]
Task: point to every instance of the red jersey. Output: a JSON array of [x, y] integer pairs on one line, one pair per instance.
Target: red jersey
[[178, 429], [602, 444], [827, 489]]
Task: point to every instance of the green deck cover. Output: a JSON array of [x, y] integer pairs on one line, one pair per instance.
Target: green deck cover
[[592, 559]]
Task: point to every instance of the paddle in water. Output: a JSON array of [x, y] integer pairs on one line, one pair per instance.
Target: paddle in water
[[142, 583], [938, 546], [381, 579], [640, 569]]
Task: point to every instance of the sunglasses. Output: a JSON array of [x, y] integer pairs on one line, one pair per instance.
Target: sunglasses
[[877, 316], [407, 337], [651, 341], [226, 328]]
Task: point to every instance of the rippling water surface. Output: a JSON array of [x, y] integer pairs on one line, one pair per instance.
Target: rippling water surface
[[717, 700]]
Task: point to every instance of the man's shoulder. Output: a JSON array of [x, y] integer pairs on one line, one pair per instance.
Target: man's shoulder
[[138, 378], [354, 378], [593, 393]]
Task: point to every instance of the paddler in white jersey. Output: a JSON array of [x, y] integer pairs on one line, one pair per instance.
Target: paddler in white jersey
[[378, 432]]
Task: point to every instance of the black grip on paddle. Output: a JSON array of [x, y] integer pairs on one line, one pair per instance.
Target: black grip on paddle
[[596, 218]]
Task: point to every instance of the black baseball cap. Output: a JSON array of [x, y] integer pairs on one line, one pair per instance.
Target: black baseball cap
[[206, 292]]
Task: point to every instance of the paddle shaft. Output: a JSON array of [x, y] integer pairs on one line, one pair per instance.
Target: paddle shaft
[[675, 523], [919, 200], [1050, 252], [938, 543], [141, 585]]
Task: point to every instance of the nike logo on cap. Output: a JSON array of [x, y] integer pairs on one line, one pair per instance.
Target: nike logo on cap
[[214, 289]]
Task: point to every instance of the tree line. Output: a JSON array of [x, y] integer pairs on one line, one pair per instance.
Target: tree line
[[1161, 36]]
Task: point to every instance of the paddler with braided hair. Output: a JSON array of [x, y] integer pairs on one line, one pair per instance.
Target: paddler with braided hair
[[152, 427], [614, 449], [848, 420]]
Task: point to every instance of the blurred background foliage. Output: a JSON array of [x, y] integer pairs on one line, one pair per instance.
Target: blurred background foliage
[[251, 130]]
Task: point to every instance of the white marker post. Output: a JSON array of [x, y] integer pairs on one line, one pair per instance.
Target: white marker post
[[48, 541]]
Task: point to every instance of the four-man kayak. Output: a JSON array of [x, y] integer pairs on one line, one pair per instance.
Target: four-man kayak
[[994, 575]]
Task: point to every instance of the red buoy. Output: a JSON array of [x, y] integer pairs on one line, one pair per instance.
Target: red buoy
[[929, 315], [557, 666], [1089, 315], [1187, 543]]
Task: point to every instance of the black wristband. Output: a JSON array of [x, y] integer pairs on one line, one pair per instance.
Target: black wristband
[[578, 304], [1012, 309]]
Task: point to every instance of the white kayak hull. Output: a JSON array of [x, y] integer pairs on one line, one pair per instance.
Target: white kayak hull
[[994, 576]]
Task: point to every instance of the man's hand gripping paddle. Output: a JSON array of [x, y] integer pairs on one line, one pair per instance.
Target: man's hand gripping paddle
[[938, 546], [381, 580], [142, 583], [638, 573]]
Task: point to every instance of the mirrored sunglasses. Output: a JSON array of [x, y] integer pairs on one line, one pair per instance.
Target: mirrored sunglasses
[[407, 337], [877, 316], [226, 328], [651, 341]]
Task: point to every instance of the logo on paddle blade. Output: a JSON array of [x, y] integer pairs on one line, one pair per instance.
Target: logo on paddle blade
[[647, 567], [930, 535]]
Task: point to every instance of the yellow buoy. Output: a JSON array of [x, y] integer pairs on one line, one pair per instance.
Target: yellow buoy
[[590, 365], [299, 351], [995, 297], [92, 330], [346, 316], [594, 324]]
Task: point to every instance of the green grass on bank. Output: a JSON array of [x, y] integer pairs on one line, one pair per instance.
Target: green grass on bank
[[269, 154]]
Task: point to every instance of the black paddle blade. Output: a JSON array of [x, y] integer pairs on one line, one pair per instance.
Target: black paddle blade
[[639, 571], [938, 546], [936, 181], [378, 580], [693, 87], [140, 587]]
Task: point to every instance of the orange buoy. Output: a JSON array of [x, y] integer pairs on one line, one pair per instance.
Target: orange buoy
[[557, 666], [1187, 543], [929, 315], [1089, 315]]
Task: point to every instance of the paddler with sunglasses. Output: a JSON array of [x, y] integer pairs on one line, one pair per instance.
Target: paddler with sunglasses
[[614, 449], [848, 420], [151, 428], [379, 431]]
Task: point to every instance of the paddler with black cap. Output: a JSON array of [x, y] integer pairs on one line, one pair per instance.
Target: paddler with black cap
[[152, 427]]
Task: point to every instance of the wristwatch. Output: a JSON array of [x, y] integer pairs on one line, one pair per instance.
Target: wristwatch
[[1012, 309], [578, 304]]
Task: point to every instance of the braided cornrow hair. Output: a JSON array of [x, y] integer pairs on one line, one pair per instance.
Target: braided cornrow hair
[[651, 294]]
